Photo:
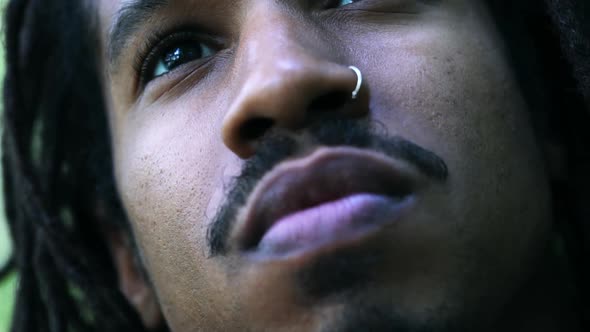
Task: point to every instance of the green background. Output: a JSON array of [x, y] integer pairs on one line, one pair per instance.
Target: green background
[[7, 287]]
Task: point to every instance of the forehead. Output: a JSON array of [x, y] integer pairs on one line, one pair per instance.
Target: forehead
[[108, 8]]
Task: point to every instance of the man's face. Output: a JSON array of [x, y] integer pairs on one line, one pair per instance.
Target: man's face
[[263, 198]]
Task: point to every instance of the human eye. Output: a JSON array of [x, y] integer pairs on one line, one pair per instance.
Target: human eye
[[341, 3], [161, 56]]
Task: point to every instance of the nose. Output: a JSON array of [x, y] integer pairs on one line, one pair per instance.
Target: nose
[[288, 75]]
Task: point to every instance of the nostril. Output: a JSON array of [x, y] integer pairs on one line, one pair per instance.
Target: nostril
[[330, 102], [255, 128]]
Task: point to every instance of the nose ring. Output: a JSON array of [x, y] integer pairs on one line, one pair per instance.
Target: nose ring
[[359, 81]]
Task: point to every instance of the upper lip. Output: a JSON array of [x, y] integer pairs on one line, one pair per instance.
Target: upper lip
[[328, 174]]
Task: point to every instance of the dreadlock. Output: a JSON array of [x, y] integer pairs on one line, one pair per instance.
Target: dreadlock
[[59, 187], [549, 47], [57, 171]]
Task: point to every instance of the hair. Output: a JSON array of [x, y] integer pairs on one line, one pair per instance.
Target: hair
[[59, 186]]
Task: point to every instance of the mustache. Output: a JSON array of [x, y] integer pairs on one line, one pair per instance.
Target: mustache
[[280, 145]]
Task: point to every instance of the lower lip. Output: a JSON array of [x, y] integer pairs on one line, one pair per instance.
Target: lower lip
[[328, 224]]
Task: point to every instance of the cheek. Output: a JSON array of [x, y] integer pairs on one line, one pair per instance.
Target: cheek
[[453, 92], [166, 171], [161, 168], [449, 88], [452, 81]]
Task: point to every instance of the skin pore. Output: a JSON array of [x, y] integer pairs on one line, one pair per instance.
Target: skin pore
[[473, 252]]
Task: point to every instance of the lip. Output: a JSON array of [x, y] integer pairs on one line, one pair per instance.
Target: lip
[[330, 197]]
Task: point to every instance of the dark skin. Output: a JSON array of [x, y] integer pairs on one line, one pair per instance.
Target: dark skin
[[466, 253]]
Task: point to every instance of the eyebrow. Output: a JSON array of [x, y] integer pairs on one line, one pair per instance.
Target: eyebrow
[[127, 21], [132, 15]]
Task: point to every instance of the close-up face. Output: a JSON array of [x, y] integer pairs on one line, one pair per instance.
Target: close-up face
[[264, 197]]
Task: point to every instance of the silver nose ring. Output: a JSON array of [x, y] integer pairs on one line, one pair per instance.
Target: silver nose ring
[[359, 81]]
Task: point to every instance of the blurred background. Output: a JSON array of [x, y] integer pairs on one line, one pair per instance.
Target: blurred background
[[7, 286]]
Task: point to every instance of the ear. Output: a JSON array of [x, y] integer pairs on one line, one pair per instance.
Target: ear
[[132, 280]]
